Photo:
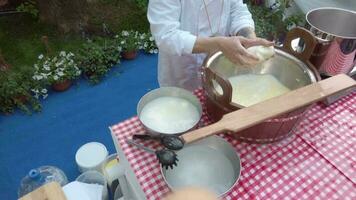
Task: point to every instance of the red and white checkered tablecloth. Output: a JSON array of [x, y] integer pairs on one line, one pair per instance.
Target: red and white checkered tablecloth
[[317, 162]]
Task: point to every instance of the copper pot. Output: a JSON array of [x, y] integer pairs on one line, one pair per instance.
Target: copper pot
[[290, 67]]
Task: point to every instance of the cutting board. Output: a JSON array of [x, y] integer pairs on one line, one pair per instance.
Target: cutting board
[[50, 191]]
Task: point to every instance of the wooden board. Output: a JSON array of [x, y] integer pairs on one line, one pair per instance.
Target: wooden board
[[50, 191]]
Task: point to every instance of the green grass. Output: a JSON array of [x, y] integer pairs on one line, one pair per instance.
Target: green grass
[[119, 15], [20, 34], [20, 40]]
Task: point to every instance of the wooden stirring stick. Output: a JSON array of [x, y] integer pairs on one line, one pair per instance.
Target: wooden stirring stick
[[247, 117]]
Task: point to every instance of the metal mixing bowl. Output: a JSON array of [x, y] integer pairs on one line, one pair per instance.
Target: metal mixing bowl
[[290, 71], [210, 163], [168, 92]]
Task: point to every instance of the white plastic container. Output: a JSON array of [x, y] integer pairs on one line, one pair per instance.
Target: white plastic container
[[94, 177], [91, 156]]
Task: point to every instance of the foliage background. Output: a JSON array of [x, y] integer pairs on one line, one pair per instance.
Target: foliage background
[[69, 24]]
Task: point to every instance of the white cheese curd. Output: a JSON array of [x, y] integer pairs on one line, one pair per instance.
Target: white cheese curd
[[263, 53], [249, 89], [169, 115]]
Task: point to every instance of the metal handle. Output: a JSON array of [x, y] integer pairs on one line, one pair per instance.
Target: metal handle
[[140, 146], [142, 137]]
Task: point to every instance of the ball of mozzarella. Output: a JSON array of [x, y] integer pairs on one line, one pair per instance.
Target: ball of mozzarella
[[261, 52]]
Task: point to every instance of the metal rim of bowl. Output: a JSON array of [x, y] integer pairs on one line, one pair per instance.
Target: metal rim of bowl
[[317, 28], [300, 63], [197, 104], [237, 178]]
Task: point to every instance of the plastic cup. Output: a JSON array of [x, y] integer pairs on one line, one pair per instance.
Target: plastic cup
[[118, 194], [94, 177], [113, 170]]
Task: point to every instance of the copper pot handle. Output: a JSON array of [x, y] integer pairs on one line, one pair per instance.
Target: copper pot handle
[[226, 96], [309, 41]]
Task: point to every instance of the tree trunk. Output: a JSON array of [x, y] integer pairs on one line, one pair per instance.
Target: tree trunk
[[3, 2], [67, 15]]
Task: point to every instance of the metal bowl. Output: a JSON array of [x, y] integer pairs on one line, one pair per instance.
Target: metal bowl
[[168, 92], [333, 21], [290, 71], [210, 163]]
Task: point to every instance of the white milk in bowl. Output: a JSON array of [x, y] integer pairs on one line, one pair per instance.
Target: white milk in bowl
[[169, 115], [249, 89]]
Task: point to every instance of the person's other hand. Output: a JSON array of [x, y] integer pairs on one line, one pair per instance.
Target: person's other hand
[[235, 49]]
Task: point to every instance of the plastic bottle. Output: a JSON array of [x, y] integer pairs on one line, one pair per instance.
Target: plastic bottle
[[40, 176]]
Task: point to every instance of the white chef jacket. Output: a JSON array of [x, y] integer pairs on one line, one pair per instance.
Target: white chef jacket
[[175, 25]]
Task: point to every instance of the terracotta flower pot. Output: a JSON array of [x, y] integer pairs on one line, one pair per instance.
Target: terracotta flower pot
[[62, 86], [21, 98], [7, 113], [88, 74], [129, 55]]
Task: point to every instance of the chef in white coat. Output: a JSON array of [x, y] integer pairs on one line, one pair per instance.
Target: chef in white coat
[[186, 31]]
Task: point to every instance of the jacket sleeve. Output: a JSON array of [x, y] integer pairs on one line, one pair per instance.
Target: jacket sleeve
[[240, 17], [164, 18]]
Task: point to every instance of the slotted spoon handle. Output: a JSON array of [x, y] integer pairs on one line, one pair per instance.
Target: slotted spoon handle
[[140, 146], [247, 117]]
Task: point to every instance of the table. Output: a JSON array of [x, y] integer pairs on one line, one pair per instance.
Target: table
[[317, 162]]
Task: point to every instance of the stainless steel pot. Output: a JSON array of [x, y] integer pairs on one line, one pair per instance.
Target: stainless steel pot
[[168, 92], [210, 163], [333, 22], [329, 25], [288, 66]]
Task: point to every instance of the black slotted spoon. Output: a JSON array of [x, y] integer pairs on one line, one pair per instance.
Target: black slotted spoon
[[167, 158]]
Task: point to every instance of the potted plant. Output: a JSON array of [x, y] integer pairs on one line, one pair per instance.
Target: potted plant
[[58, 71], [15, 93], [129, 44], [147, 43], [97, 57]]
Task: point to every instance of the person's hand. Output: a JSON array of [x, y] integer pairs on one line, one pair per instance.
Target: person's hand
[[235, 49], [191, 193]]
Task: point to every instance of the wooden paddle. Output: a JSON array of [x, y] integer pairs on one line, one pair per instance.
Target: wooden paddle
[[50, 191], [247, 117]]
